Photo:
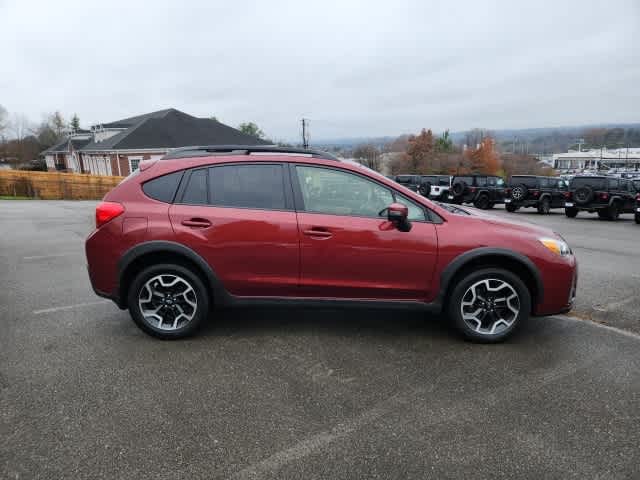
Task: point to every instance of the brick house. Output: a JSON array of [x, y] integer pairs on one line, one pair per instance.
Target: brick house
[[117, 148]]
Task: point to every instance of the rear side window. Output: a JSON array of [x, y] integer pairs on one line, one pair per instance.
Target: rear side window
[[444, 181], [247, 186], [597, 183], [467, 180], [529, 182], [195, 193], [481, 181], [613, 183], [163, 188]]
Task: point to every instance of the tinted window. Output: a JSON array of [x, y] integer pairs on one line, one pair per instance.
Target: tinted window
[[636, 185], [481, 181], [341, 193], [613, 183], [195, 192], [404, 179], [544, 182], [529, 182], [247, 186], [163, 188], [593, 182], [500, 182], [467, 180], [444, 181], [624, 185]]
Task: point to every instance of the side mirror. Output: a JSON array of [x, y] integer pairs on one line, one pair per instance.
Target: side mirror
[[397, 214]]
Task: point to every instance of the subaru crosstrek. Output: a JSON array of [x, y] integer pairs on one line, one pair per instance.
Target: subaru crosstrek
[[208, 227]]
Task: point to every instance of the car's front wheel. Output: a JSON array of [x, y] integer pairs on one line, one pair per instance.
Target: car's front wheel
[[544, 207], [638, 218], [488, 305], [510, 207], [482, 202], [168, 301]]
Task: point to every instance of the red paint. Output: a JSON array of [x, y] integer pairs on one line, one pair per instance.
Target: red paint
[[298, 254]]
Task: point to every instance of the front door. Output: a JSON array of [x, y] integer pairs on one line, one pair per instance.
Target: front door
[[348, 250], [240, 219]]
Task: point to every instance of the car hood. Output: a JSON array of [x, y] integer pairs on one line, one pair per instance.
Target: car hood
[[521, 226]]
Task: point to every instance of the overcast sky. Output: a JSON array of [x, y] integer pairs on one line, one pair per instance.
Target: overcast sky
[[354, 68]]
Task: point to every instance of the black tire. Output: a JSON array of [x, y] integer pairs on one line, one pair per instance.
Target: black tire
[[603, 215], [425, 189], [571, 212], [613, 212], [190, 278], [461, 290], [491, 205], [544, 206], [458, 188], [519, 192], [637, 218], [583, 195], [482, 202], [509, 207]]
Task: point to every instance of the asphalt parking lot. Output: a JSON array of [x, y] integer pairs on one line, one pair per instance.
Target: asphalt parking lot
[[293, 393]]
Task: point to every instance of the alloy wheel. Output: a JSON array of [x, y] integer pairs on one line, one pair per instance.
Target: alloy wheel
[[167, 302], [490, 306]]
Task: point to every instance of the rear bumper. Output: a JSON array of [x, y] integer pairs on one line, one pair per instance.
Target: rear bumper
[[521, 203]]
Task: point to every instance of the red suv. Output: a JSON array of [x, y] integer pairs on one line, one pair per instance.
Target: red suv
[[222, 226]]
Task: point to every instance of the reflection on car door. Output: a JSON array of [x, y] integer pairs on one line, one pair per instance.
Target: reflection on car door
[[348, 250]]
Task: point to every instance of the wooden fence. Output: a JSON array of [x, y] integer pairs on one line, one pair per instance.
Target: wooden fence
[[55, 186]]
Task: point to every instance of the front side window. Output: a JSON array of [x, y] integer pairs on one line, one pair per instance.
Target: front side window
[[416, 212], [247, 186], [613, 183], [341, 193], [481, 181]]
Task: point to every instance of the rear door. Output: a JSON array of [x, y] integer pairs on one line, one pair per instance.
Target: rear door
[[349, 250], [240, 219]]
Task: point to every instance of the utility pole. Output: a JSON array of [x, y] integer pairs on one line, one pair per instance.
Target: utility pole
[[305, 133]]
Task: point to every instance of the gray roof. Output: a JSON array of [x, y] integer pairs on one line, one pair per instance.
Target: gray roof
[[170, 128], [63, 146]]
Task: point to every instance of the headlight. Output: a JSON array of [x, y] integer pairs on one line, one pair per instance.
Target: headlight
[[556, 246]]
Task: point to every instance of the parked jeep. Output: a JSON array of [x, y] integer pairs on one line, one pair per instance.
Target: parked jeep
[[530, 191], [412, 182], [483, 191], [608, 196], [435, 187]]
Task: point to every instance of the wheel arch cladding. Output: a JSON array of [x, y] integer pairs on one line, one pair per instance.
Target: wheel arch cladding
[[158, 251], [485, 257]]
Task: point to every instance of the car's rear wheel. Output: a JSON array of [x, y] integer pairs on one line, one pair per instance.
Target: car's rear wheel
[[571, 212], [544, 207], [488, 305], [613, 212], [509, 207], [168, 301], [638, 218], [482, 202]]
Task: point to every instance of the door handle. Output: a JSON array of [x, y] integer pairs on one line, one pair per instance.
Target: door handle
[[318, 233], [196, 223]]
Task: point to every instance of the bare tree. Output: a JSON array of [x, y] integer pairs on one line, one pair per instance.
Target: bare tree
[[4, 120], [368, 155]]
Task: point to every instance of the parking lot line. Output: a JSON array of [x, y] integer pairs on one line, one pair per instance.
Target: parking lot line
[[69, 307], [626, 333]]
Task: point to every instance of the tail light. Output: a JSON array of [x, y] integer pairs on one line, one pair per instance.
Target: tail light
[[604, 196], [472, 189], [535, 193], [638, 197], [107, 211], [508, 191], [567, 195]]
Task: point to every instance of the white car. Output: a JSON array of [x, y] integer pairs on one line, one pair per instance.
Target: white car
[[436, 187]]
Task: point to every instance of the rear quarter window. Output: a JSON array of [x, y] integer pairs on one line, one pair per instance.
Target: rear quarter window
[[529, 182], [595, 183], [163, 188]]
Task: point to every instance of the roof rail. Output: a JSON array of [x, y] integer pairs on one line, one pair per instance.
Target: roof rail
[[208, 150]]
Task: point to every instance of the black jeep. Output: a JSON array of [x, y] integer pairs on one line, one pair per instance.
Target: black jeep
[[412, 182], [608, 196], [543, 193], [484, 191]]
